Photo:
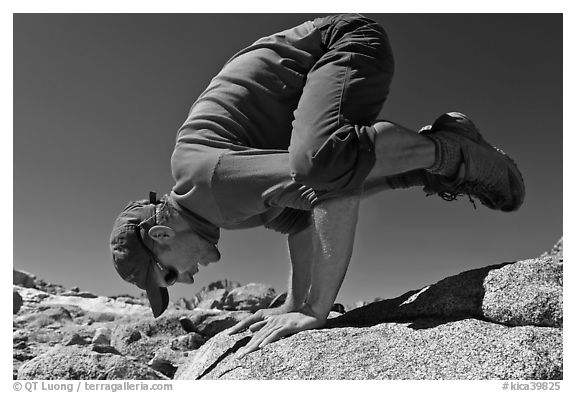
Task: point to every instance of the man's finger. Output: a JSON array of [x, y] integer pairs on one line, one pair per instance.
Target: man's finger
[[243, 324], [258, 325], [254, 343], [274, 336]]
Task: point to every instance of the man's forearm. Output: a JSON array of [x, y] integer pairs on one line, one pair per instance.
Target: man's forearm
[[301, 258], [328, 247], [334, 229]]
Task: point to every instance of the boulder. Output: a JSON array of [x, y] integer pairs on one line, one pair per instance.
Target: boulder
[[183, 303], [167, 361], [20, 335], [131, 300], [557, 250], [211, 322], [76, 339], [23, 279], [187, 342], [250, 297], [100, 305], [497, 322], [84, 294], [102, 336], [222, 284], [144, 338], [16, 301], [43, 317], [458, 296], [144, 349], [133, 337], [525, 293], [76, 362], [103, 348], [31, 295], [167, 325], [213, 299], [211, 292], [52, 289], [422, 349]]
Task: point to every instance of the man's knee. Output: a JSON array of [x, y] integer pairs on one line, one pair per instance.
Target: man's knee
[[326, 167], [306, 170]]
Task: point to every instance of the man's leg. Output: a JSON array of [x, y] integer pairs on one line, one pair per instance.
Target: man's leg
[[463, 163], [399, 150], [337, 146], [332, 144], [401, 156]]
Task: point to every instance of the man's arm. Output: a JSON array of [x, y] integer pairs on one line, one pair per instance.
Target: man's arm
[[301, 249], [301, 246], [334, 226]]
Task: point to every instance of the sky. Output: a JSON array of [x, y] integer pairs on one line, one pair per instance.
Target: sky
[[98, 98]]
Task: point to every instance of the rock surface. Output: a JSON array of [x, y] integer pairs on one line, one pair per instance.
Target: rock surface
[[525, 293], [23, 279], [16, 301], [250, 297], [122, 326], [77, 362], [424, 349], [497, 322], [215, 299]]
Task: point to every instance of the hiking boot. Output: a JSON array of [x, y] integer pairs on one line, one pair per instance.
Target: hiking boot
[[485, 172]]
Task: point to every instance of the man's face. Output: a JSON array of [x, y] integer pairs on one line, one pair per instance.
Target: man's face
[[184, 252]]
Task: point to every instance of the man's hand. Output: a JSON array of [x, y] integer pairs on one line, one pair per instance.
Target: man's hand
[[272, 324], [259, 316]]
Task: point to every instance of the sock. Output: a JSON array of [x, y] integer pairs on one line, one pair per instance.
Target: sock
[[407, 179], [448, 157]]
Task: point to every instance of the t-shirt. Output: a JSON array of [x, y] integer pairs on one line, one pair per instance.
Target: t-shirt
[[230, 162]]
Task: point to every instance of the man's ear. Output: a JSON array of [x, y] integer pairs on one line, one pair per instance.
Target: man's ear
[[161, 234]]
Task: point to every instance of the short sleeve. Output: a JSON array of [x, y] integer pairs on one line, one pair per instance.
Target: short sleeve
[[249, 183]]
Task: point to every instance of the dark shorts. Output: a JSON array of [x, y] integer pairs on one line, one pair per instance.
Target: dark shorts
[[332, 144]]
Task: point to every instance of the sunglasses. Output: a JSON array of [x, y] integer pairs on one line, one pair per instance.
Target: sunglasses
[[169, 274]]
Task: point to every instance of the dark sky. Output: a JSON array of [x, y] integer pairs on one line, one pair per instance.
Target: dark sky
[[98, 99]]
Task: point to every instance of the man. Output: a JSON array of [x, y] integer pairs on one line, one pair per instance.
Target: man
[[286, 137]]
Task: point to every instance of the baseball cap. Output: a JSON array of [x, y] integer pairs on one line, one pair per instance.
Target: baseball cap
[[131, 250]]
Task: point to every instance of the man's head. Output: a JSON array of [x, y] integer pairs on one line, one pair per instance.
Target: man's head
[[155, 244]]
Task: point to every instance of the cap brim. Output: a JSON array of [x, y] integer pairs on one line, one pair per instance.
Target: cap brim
[[158, 298]]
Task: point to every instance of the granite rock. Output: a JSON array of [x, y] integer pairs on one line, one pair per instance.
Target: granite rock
[[497, 322], [211, 322], [23, 279], [501, 321], [16, 301], [525, 293], [213, 299], [250, 297], [76, 362], [422, 349]]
